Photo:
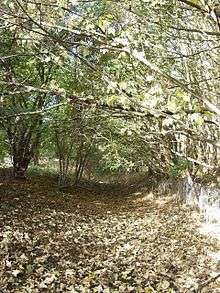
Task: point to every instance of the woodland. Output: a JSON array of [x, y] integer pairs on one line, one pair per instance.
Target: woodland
[[107, 108]]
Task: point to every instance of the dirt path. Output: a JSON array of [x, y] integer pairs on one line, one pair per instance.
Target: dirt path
[[88, 242]]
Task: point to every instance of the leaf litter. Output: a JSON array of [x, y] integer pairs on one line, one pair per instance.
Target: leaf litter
[[92, 242]]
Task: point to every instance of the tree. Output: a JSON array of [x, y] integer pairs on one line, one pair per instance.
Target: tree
[[142, 59]]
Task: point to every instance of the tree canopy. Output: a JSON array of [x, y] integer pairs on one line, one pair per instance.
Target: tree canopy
[[133, 83]]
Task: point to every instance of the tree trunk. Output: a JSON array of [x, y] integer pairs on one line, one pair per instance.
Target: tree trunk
[[36, 157], [20, 167], [24, 143], [21, 156]]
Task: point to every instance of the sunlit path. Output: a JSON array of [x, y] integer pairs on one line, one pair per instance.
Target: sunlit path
[[86, 243]]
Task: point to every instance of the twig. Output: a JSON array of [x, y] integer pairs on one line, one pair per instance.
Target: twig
[[207, 282]]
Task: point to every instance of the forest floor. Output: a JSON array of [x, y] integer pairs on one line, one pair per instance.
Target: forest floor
[[87, 241]]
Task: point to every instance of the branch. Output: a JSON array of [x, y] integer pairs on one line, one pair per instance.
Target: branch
[[193, 160], [140, 56], [193, 5], [38, 112], [28, 89], [206, 283], [191, 30], [119, 112]]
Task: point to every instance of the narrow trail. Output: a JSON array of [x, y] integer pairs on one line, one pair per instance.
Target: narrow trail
[[88, 242]]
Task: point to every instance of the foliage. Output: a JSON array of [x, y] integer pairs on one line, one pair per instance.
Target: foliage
[[139, 63], [180, 168]]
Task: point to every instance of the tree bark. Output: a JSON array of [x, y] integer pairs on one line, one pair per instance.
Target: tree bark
[[20, 166], [24, 140]]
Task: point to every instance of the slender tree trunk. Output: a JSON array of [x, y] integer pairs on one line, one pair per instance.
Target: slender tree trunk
[[20, 166], [36, 158], [24, 142], [21, 157]]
